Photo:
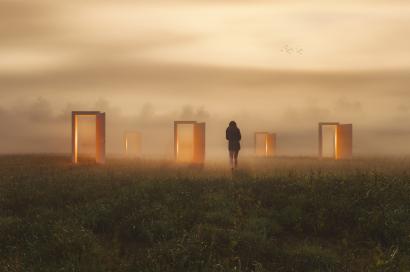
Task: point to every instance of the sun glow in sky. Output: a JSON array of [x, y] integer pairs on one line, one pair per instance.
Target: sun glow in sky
[[280, 66]]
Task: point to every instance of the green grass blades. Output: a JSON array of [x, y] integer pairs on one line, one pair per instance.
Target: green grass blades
[[269, 215]]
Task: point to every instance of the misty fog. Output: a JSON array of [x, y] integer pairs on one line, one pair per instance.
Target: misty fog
[[271, 66]]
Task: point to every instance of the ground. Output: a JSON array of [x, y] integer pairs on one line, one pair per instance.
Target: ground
[[286, 214]]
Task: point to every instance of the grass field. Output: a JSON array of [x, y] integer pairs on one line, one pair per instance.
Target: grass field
[[271, 215]]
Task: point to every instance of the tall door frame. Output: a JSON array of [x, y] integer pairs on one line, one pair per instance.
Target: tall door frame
[[270, 144], [343, 144], [99, 135], [198, 141]]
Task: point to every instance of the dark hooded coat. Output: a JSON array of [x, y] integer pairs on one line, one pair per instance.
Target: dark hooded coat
[[233, 135]]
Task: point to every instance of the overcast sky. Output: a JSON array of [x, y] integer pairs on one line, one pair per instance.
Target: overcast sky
[[278, 66]]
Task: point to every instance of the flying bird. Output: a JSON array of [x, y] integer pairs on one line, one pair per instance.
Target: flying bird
[[291, 50]]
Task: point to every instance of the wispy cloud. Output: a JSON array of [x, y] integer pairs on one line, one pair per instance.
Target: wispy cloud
[[147, 63]]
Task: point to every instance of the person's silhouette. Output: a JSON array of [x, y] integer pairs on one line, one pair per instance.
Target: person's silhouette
[[233, 135]]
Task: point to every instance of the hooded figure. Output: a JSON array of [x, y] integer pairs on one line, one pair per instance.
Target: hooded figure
[[233, 135]]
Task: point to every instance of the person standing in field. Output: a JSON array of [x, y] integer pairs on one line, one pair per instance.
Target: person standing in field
[[233, 135]]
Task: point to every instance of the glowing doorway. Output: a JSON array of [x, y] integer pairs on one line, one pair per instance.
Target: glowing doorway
[[265, 144], [132, 143], [340, 141], [99, 134], [189, 142]]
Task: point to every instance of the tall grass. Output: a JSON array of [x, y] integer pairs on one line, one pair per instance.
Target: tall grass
[[270, 215]]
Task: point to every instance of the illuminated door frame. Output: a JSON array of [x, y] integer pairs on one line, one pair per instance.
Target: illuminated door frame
[[270, 144], [198, 141], [343, 143], [99, 135], [127, 135]]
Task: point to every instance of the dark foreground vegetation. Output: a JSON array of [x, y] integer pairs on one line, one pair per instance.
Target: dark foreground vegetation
[[281, 215]]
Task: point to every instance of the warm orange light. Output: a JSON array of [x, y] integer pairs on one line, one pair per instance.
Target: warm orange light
[[342, 140], [100, 134], [189, 142], [132, 143], [75, 139], [265, 144], [177, 147], [336, 145], [185, 142]]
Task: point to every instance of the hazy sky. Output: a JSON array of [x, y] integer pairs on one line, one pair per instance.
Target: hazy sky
[[279, 66]]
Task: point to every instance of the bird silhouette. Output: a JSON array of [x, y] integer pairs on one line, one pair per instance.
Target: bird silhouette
[[291, 50]]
